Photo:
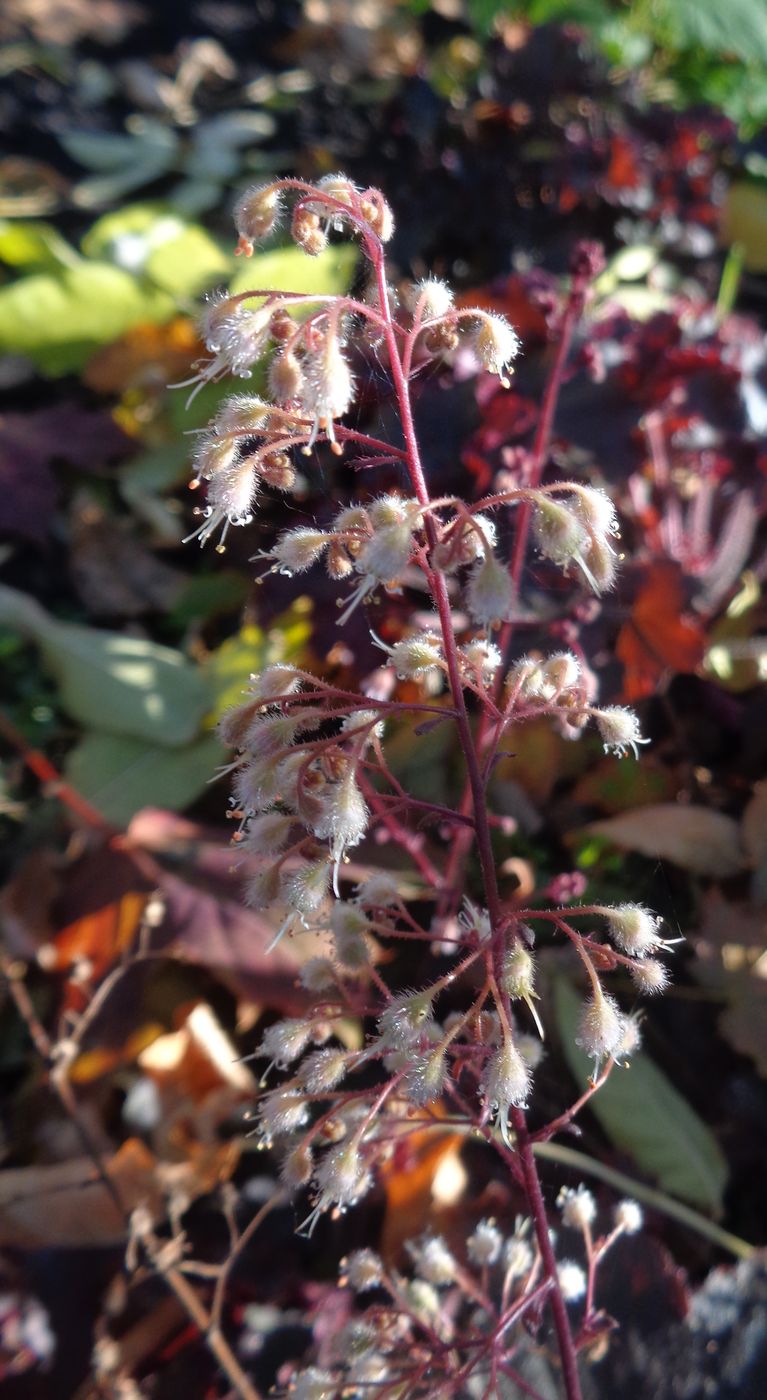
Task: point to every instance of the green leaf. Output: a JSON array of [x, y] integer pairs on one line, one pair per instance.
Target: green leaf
[[107, 681], [119, 775], [178, 256], [59, 318], [29, 243], [643, 1114], [230, 667], [291, 270], [739, 27]]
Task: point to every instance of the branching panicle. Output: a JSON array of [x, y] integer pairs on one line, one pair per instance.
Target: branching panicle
[[312, 782]]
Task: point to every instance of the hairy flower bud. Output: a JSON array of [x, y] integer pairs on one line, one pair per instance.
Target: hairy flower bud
[[572, 1281], [241, 414], [506, 1083], [434, 297], [595, 510], [341, 1176], [562, 671], [256, 214], [281, 1113], [283, 1042], [601, 1026], [323, 1070], [495, 344], [559, 534], [618, 729], [628, 1217], [426, 1075], [297, 550], [633, 928], [481, 658], [405, 1017], [489, 592], [286, 378], [649, 976], [378, 214], [313, 1383], [328, 387], [268, 834], [378, 891], [306, 888], [415, 657], [307, 231], [518, 975]]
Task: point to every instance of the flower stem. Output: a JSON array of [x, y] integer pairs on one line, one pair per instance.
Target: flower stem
[[482, 835]]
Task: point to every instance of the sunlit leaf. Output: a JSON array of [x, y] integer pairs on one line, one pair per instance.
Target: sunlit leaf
[[289, 269], [59, 318], [176, 255], [27, 243], [109, 681]]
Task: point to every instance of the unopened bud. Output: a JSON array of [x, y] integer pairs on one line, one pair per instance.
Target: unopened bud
[[256, 214], [307, 231], [363, 1269], [296, 550], [518, 976], [378, 214], [578, 1207], [286, 377], [413, 657], [434, 297], [489, 592], [495, 344], [558, 532], [649, 976]]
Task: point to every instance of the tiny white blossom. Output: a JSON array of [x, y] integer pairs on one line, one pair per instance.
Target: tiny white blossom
[[572, 1281], [432, 1259], [628, 1217], [364, 1269], [578, 1207], [484, 1244]]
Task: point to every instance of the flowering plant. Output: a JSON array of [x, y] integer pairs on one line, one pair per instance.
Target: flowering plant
[[311, 781]]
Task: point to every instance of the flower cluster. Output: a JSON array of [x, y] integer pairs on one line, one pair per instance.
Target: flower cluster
[[312, 781], [412, 1331]]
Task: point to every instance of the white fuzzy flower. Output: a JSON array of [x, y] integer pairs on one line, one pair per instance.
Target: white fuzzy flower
[[634, 929], [489, 592], [495, 344], [618, 729], [578, 1207], [601, 1026], [506, 1083], [628, 1217], [572, 1281], [432, 1259], [363, 1269], [484, 1244]]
